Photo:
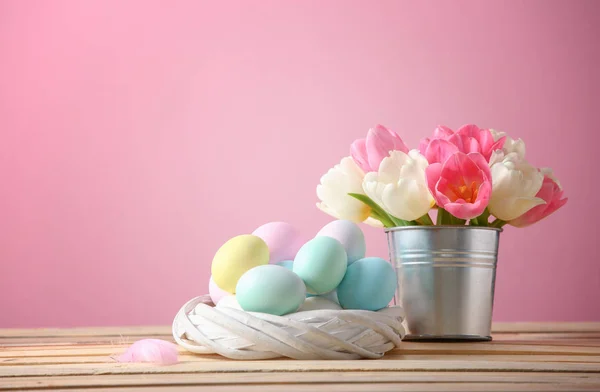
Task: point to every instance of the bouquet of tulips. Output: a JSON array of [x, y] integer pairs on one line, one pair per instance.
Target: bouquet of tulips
[[470, 176]]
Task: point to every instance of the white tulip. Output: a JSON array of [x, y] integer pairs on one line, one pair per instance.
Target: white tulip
[[510, 146], [400, 185], [373, 222], [546, 171], [514, 186], [345, 177]]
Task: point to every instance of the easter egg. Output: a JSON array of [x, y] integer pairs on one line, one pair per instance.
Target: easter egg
[[321, 263], [316, 303], [229, 302], [270, 289], [283, 240], [349, 235], [237, 256], [215, 292], [369, 284], [286, 264]]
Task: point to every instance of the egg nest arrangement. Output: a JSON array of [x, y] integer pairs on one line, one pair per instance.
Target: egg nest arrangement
[[274, 294]]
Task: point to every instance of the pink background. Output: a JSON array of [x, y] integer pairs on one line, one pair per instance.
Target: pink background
[[138, 136]]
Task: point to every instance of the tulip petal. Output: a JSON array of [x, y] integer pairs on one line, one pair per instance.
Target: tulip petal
[[442, 132], [469, 130], [380, 142], [465, 143], [466, 210], [400, 185], [515, 185], [433, 173], [344, 178], [373, 223], [358, 151], [423, 144], [439, 151], [461, 185], [512, 208], [552, 193], [398, 202]]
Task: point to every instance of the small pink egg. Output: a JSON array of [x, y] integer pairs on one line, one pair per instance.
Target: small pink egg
[[283, 240], [216, 293]]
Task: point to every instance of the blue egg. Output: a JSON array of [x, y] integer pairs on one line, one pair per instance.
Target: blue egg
[[286, 264], [369, 284], [321, 263], [270, 289], [349, 235]]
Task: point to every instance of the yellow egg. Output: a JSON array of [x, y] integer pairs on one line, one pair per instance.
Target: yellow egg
[[237, 256]]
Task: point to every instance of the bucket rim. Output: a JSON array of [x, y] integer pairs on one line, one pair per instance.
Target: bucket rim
[[441, 227]]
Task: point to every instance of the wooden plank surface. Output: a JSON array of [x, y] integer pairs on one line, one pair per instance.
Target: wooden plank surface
[[523, 356]]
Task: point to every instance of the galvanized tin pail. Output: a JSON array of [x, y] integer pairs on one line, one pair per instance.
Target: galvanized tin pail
[[446, 277]]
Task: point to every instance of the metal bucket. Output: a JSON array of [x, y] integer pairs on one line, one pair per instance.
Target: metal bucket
[[446, 277]]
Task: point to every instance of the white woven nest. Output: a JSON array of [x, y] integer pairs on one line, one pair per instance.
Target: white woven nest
[[201, 328]]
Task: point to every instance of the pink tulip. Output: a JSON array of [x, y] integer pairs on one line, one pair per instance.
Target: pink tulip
[[469, 138], [552, 194], [462, 184], [441, 132], [368, 153], [439, 150]]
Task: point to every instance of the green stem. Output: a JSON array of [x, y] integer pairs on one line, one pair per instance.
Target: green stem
[[498, 223], [474, 222], [398, 222], [483, 218], [456, 221], [440, 215], [444, 217], [425, 220]]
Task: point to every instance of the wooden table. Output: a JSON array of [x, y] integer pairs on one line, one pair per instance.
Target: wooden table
[[523, 356]]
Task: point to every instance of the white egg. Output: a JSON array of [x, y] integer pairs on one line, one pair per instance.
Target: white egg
[[349, 235]]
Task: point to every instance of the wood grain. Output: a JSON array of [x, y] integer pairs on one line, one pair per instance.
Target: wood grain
[[522, 357], [307, 378], [357, 387]]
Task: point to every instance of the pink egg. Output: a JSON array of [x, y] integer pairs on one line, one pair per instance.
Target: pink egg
[[215, 292], [283, 240]]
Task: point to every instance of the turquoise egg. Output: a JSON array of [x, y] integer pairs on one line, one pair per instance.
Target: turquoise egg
[[321, 263], [270, 289], [286, 264], [369, 284], [349, 235]]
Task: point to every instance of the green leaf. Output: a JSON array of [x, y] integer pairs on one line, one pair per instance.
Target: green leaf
[[383, 216], [445, 218], [398, 221], [457, 221], [425, 220], [482, 220], [498, 223]]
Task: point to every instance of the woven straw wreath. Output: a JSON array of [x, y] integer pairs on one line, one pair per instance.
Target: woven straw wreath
[[201, 328]]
